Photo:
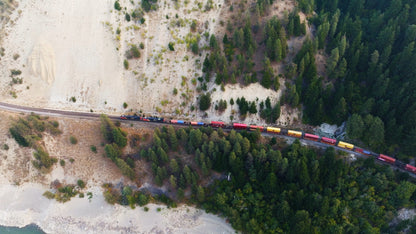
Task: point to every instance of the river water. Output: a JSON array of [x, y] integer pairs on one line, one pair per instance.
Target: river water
[[29, 229]]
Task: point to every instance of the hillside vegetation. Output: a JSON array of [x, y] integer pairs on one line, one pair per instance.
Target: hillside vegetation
[[262, 185], [370, 71], [367, 78]]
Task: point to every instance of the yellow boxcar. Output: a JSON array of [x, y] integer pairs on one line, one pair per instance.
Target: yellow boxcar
[[345, 145], [273, 130], [294, 133]]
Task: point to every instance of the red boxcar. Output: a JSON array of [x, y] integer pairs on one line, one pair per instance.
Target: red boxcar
[[311, 137], [359, 150], [217, 124], [254, 127], [386, 158], [410, 168], [239, 126], [328, 141]]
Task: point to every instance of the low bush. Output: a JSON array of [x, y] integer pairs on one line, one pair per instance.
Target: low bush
[[73, 140]]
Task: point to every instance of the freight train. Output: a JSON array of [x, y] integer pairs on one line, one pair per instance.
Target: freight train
[[280, 131]]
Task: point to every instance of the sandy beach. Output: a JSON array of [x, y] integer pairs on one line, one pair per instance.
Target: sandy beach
[[23, 205]]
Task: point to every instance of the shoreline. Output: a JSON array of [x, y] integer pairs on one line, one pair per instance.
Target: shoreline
[[24, 205]]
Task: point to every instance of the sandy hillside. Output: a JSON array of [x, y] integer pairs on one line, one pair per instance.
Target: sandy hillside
[[76, 49], [22, 186]]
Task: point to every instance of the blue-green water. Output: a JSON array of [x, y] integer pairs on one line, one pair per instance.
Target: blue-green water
[[29, 229]]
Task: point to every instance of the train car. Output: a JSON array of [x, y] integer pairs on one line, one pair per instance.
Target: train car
[[273, 130], [345, 145], [155, 119], [254, 128], [217, 124], [311, 137], [174, 121], [366, 152], [362, 151], [410, 168], [386, 158], [294, 133], [197, 123], [328, 141], [240, 126], [123, 117]]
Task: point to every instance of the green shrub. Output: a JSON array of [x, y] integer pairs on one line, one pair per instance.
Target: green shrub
[[204, 101], [93, 148], [146, 208], [73, 140], [170, 45], [81, 183], [117, 6], [18, 137], [15, 72], [5, 147], [127, 17], [73, 99], [126, 64], [62, 162], [125, 105], [49, 195]]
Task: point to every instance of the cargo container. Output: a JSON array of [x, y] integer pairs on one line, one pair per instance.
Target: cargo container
[[410, 168], [239, 126], [273, 130], [217, 124], [311, 137], [386, 158], [197, 123], [294, 133], [254, 128], [174, 121], [328, 141], [345, 145]]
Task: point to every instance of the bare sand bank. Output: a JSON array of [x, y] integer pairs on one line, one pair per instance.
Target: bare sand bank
[[22, 205]]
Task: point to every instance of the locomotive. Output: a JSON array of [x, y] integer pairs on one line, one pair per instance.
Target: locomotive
[[287, 132]]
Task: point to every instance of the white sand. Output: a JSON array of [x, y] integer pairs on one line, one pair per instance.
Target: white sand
[[64, 51], [22, 205], [70, 49]]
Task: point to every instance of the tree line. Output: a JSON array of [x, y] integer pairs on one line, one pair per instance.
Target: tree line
[[261, 185]]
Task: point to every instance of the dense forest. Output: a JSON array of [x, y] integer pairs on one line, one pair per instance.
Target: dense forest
[[369, 77], [370, 71], [263, 185]]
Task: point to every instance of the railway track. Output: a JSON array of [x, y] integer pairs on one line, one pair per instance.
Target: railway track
[[91, 115]]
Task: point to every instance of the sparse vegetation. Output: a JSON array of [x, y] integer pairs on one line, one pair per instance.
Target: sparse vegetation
[[204, 101], [81, 184], [93, 149], [170, 45], [28, 133], [73, 140], [133, 52], [15, 72], [117, 5]]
